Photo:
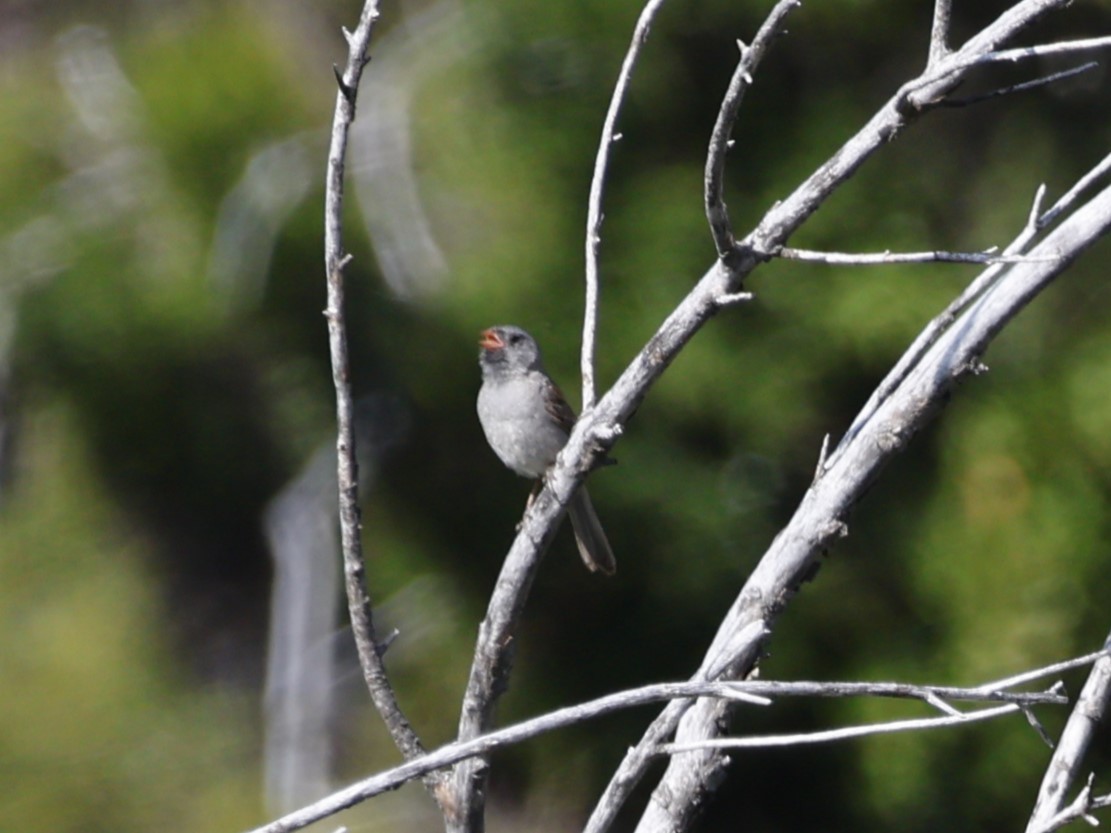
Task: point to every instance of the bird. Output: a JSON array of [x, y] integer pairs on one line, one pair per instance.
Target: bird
[[527, 420]]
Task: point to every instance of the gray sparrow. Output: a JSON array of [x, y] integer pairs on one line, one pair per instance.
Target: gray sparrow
[[527, 421]]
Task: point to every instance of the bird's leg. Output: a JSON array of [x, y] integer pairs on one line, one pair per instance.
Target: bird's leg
[[536, 487]]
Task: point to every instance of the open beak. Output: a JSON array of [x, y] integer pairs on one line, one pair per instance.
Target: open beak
[[489, 340]]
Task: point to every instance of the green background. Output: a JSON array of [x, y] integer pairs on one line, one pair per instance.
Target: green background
[[155, 404]]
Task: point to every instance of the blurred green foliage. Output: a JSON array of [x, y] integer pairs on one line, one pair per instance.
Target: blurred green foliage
[[157, 409]]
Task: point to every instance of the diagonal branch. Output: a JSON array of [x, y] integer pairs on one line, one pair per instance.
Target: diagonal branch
[[335, 260]]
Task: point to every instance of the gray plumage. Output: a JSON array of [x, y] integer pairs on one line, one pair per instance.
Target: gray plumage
[[527, 421]]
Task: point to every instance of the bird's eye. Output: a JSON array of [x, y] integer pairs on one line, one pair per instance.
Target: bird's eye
[[516, 338]]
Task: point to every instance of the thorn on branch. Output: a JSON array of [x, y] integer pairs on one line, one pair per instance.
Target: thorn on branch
[[1032, 719], [727, 299], [385, 643], [976, 368], [1033, 221], [607, 434], [833, 529], [819, 470], [346, 89], [338, 267]]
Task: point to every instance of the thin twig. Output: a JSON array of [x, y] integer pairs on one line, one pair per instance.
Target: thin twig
[[830, 735], [335, 260], [886, 258], [1025, 86], [822, 454], [1064, 767], [926, 693], [716, 212], [1046, 671], [1045, 50], [930, 89], [594, 214], [1073, 194]]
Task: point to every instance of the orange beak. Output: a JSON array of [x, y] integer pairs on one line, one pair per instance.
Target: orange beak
[[489, 340]]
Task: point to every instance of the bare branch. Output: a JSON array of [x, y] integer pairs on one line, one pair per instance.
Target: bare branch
[[594, 206], [1036, 222], [1037, 726], [939, 32], [758, 602], [1046, 671], [1079, 810], [752, 692], [987, 256], [335, 260], [1025, 86], [1066, 202], [926, 693], [940, 78], [831, 735], [1064, 767], [716, 211], [849, 470], [820, 520], [1045, 50], [462, 750]]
